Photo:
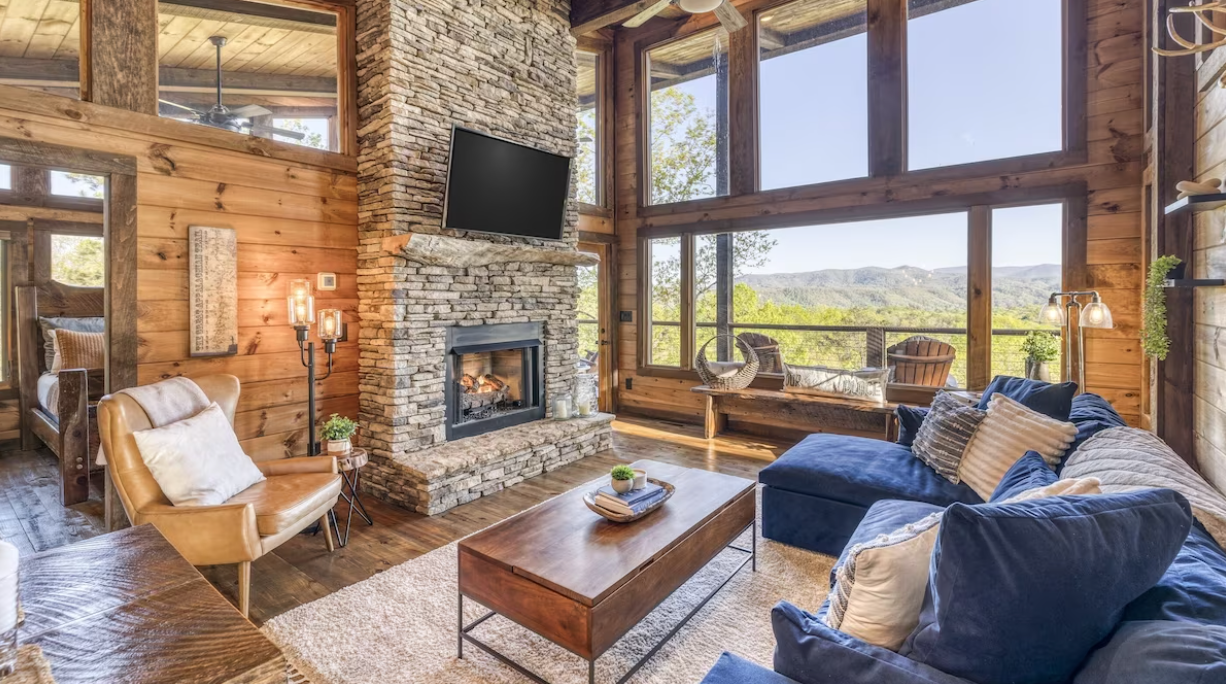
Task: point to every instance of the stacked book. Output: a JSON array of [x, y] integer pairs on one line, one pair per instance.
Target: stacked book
[[630, 503]]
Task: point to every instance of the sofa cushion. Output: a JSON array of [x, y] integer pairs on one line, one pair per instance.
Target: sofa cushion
[[1192, 589], [910, 418], [861, 471], [1007, 578], [731, 669], [1158, 651], [1091, 414], [282, 500], [811, 653], [1028, 472], [1052, 400], [1006, 434], [883, 518]]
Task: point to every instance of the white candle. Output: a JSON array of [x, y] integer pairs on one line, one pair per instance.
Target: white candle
[[8, 587]]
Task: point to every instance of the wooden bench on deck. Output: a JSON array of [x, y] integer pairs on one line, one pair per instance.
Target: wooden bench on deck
[[798, 411]]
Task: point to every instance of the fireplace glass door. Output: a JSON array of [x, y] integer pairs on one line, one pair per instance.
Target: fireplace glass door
[[494, 378]]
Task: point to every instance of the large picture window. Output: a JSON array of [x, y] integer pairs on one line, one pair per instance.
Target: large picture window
[[813, 85], [688, 118], [963, 108], [278, 64], [869, 294], [588, 134]]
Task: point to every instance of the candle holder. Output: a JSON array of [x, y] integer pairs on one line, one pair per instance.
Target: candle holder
[[331, 329]]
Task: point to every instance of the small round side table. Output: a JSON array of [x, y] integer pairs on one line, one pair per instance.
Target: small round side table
[[350, 465]]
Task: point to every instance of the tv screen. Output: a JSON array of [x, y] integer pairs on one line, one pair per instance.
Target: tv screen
[[495, 186]]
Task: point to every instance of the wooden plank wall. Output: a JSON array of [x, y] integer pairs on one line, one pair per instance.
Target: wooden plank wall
[[1113, 172], [295, 216], [1209, 261]]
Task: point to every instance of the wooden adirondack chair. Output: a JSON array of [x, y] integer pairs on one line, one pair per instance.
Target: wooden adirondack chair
[[921, 361], [767, 349]]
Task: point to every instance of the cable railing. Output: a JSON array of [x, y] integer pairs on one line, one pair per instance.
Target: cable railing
[[849, 347]]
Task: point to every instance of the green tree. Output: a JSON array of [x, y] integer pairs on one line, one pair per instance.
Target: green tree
[[78, 261], [585, 157], [312, 139], [87, 185]]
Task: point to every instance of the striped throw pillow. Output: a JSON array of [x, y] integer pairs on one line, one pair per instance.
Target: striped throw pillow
[[945, 434], [79, 350], [1006, 434]]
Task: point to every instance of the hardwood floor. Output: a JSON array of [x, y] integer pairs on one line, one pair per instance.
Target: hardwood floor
[[302, 570]]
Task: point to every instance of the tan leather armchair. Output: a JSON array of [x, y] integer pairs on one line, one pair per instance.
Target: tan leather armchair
[[297, 493]]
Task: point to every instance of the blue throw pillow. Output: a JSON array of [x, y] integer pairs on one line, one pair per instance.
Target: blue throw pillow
[[1051, 400], [1159, 652], [1091, 414], [910, 418], [1020, 593], [1192, 589], [1030, 472]]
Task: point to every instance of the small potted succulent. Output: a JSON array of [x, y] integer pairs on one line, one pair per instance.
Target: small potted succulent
[[337, 432], [623, 478], [1041, 348]]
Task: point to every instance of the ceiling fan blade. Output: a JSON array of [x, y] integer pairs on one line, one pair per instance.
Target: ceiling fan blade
[[642, 17], [730, 17], [269, 130], [249, 111], [168, 103]]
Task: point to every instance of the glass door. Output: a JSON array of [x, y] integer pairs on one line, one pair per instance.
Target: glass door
[[593, 317]]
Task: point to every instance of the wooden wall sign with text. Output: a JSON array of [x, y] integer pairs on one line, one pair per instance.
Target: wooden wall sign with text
[[213, 278]]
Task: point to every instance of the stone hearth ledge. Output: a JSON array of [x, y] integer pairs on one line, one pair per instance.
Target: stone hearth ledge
[[440, 250], [439, 478]]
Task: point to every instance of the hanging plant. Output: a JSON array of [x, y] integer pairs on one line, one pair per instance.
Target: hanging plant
[[1153, 330]]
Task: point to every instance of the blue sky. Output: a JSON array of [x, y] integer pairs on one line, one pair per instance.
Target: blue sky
[[984, 83]]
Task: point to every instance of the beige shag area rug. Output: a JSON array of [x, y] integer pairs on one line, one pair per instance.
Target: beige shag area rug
[[400, 626]]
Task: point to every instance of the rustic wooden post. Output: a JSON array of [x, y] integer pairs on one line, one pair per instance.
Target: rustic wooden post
[[887, 87], [874, 345], [979, 299], [723, 293], [119, 60]]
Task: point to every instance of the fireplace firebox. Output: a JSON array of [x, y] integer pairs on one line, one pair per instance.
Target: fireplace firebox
[[495, 378]]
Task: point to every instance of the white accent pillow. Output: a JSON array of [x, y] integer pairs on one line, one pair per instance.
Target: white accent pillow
[[1007, 432], [197, 461]]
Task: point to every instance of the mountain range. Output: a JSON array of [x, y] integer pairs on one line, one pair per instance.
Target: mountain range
[[904, 287]]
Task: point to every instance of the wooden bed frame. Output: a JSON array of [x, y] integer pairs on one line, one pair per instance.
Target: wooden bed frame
[[73, 437]]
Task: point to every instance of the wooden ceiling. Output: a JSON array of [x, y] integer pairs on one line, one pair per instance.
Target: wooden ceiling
[[586, 79], [275, 54]]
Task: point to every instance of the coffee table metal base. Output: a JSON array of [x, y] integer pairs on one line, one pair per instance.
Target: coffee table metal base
[[751, 558]]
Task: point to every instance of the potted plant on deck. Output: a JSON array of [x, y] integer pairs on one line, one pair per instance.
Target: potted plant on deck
[[337, 433], [1041, 348]]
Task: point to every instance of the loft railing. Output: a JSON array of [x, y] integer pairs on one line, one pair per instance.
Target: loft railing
[[843, 346]]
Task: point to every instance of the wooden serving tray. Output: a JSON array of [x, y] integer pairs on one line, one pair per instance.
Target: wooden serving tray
[[590, 499]]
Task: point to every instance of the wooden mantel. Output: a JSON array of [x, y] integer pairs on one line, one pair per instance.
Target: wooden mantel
[[440, 250]]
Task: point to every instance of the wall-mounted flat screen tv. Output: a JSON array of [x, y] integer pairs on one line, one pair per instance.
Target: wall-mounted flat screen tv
[[496, 186]]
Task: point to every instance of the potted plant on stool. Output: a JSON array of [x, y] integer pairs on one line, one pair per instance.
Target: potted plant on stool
[[1041, 348], [337, 431]]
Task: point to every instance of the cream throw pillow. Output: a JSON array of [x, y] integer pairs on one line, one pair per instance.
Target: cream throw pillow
[[1005, 435], [197, 461], [879, 591]]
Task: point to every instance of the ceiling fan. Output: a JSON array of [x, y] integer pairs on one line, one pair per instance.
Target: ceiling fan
[[220, 116], [724, 11]]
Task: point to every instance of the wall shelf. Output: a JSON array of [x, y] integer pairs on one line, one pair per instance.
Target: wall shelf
[[1195, 282], [1197, 203]]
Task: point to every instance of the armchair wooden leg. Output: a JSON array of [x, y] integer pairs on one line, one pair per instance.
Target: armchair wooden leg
[[244, 588], [327, 530]]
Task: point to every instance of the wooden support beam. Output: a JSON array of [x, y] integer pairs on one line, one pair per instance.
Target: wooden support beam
[[979, 298], [587, 16], [30, 186], [887, 87], [1174, 92], [743, 112], [282, 13], [64, 73], [119, 53]]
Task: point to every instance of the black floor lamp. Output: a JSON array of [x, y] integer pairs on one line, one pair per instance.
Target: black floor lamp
[[1094, 314], [331, 328]]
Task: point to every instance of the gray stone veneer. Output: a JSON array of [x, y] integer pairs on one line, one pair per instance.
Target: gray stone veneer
[[436, 479]]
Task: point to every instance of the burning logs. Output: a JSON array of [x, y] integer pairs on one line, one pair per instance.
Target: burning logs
[[481, 391]]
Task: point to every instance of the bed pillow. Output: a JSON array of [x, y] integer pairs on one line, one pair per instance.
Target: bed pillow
[[1008, 431], [79, 350], [1051, 400], [1020, 593], [50, 324], [197, 461], [910, 418], [944, 435]]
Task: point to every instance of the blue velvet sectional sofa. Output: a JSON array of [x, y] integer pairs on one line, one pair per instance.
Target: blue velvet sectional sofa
[[830, 492]]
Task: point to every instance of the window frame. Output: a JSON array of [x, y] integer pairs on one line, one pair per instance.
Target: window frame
[[346, 70], [888, 146], [978, 207], [605, 123]]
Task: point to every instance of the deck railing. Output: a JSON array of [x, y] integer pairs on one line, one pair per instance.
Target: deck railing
[[850, 346]]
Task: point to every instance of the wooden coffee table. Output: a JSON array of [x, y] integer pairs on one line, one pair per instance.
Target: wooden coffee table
[[582, 582]]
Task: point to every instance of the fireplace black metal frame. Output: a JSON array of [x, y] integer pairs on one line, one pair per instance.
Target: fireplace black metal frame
[[496, 337]]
